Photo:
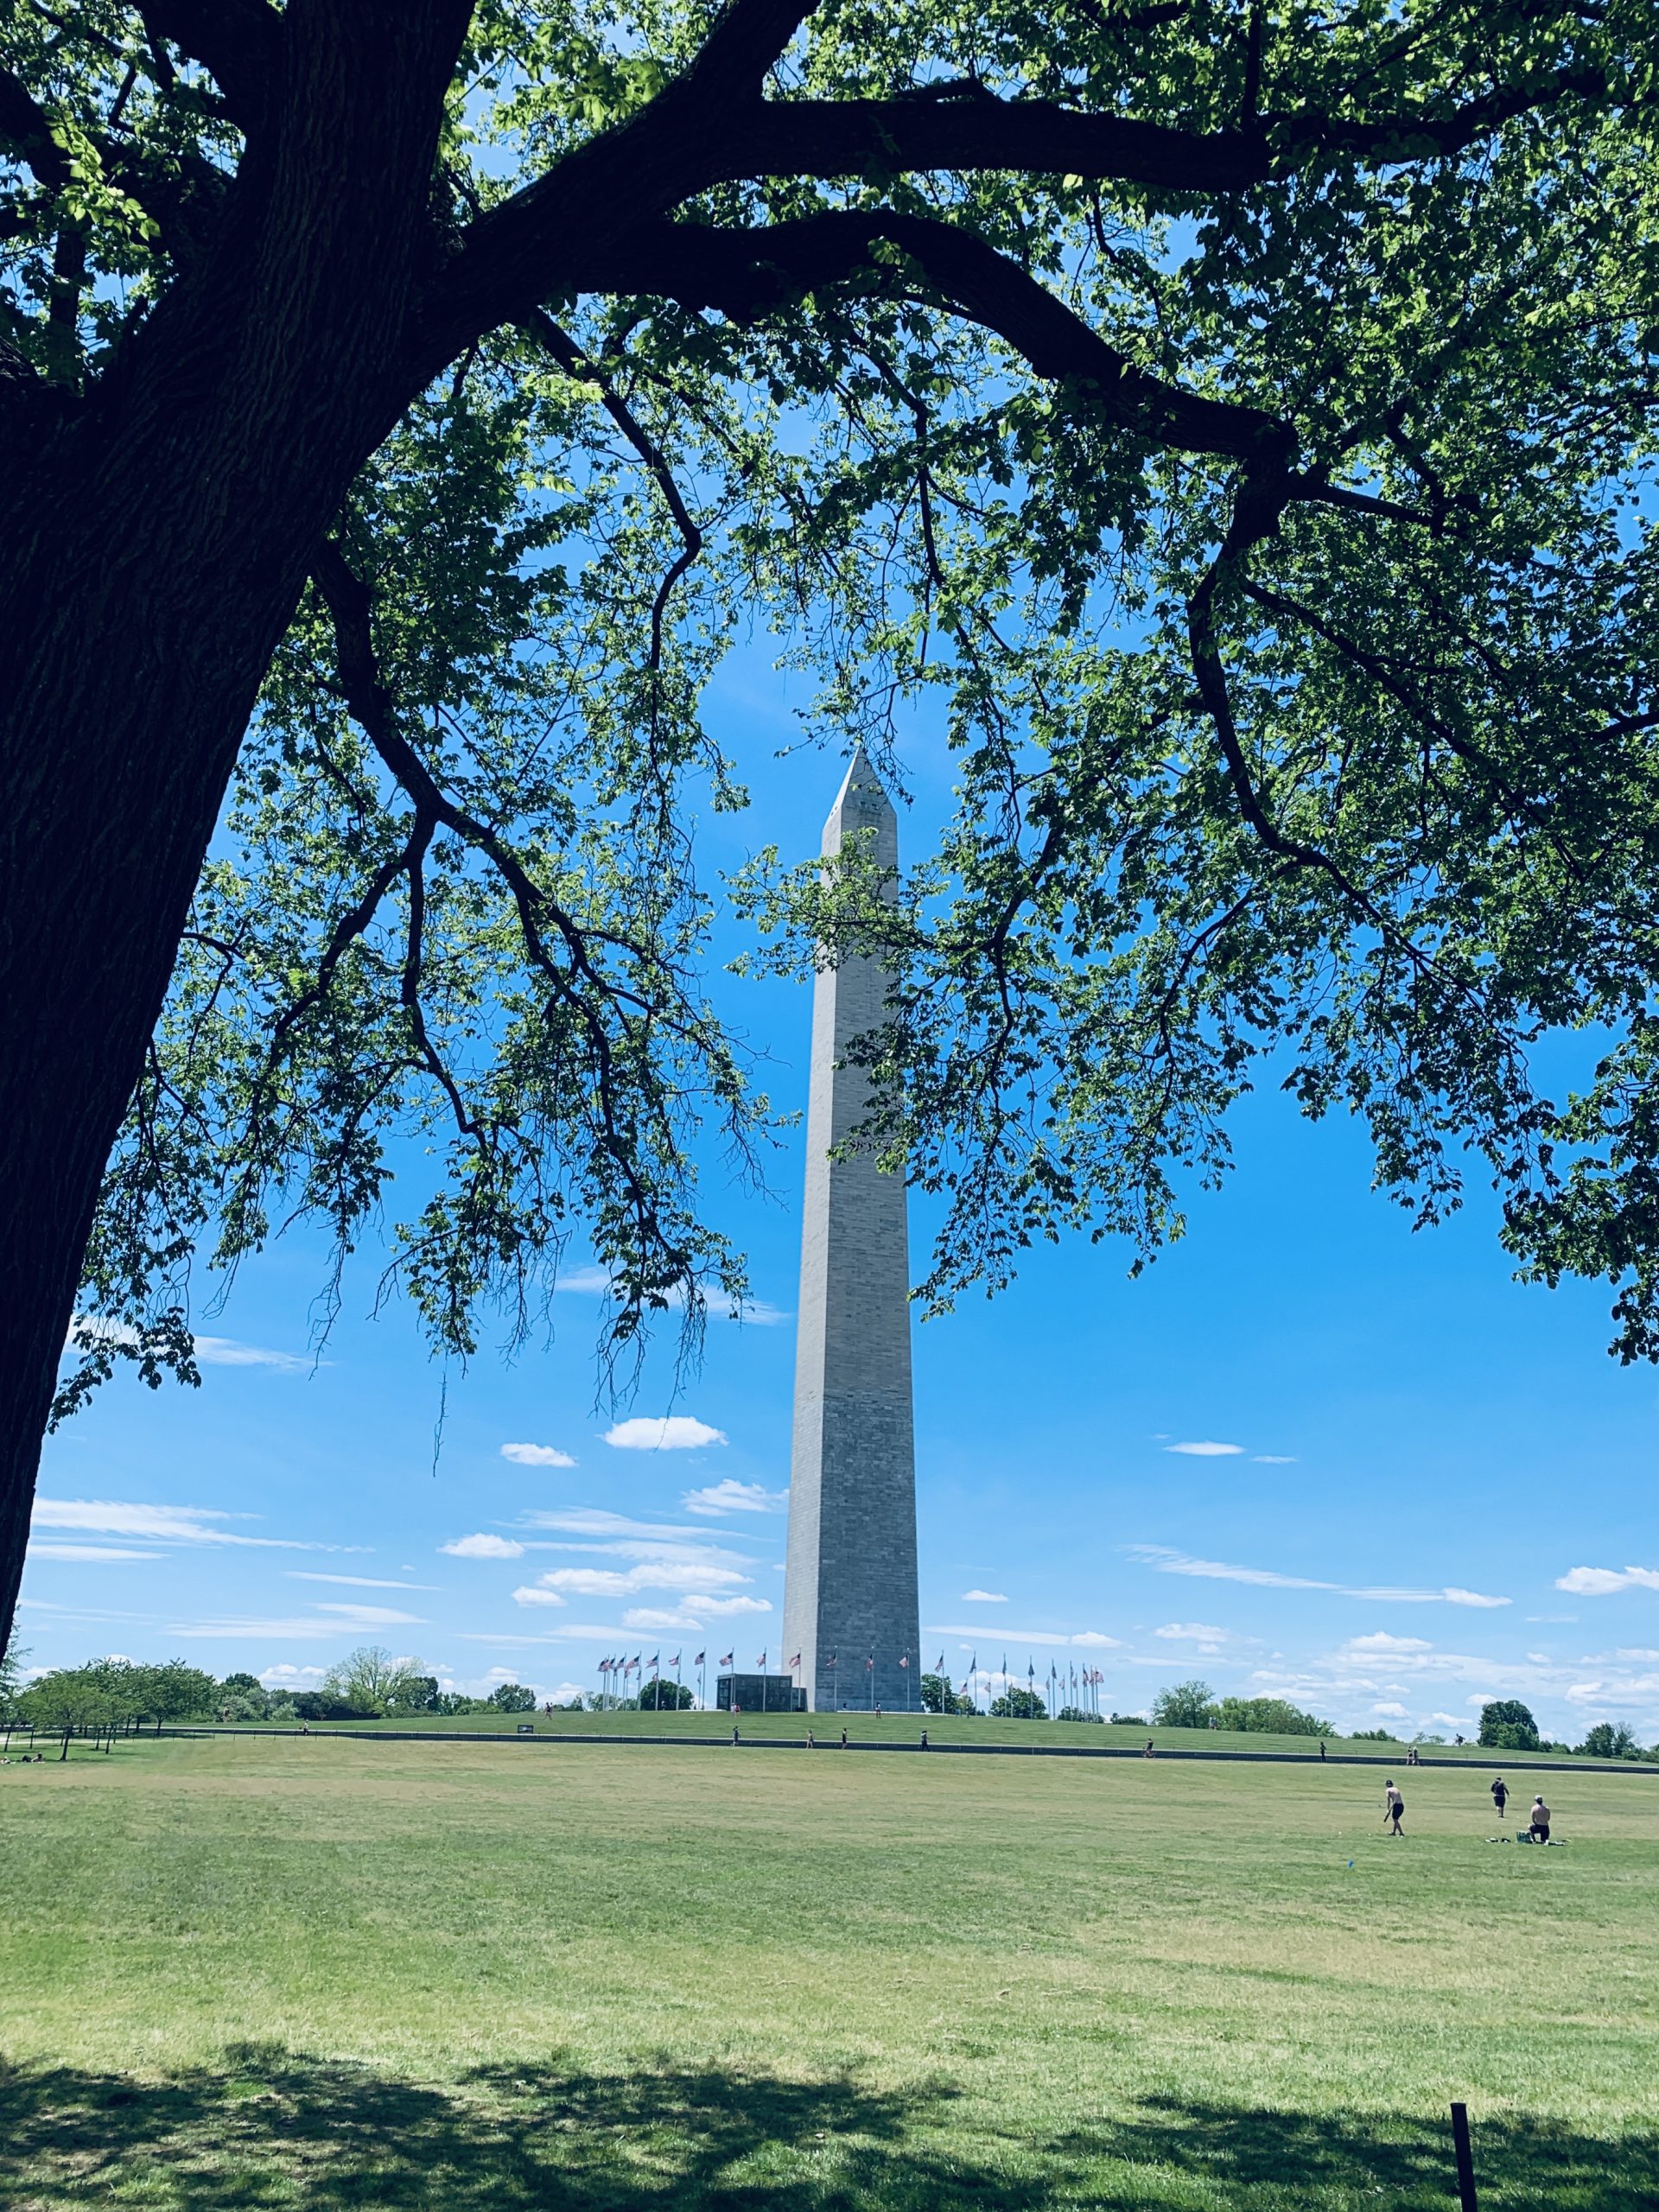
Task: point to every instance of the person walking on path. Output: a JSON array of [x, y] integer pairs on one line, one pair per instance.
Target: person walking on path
[[843, 1739], [1393, 1808], [1500, 1796], [1146, 1754], [1321, 1747], [1540, 1819]]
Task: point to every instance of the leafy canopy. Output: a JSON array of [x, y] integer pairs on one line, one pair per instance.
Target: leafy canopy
[[1231, 426]]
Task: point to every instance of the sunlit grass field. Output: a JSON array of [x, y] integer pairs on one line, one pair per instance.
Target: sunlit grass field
[[270, 1972]]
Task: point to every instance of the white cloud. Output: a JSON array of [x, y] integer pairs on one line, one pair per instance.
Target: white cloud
[[685, 1570], [161, 1524], [729, 1497], [354, 1581], [100, 1552], [226, 1351], [597, 1521], [593, 1283], [694, 1612], [1603, 1581], [1389, 1711], [528, 1596], [719, 1608], [483, 1547], [1383, 1642], [1167, 1562], [537, 1455], [1192, 1632], [1274, 1459], [984, 1597], [284, 1677], [1091, 1637], [674, 1432], [341, 1619], [210, 1352], [1207, 1451]]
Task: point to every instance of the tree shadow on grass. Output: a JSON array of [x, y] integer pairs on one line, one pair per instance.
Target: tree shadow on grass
[[273, 2131]]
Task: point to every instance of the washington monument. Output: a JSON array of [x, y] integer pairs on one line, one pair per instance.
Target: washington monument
[[849, 1593]]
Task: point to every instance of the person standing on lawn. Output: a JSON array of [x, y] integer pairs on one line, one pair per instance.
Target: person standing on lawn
[[1500, 1796], [1393, 1808]]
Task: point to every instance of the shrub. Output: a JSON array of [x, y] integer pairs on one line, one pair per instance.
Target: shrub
[[1270, 1716], [1075, 1712]]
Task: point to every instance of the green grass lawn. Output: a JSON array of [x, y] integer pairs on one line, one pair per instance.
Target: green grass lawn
[[264, 1972]]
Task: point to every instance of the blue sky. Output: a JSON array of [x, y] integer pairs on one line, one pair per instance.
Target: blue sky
[[1435, 1485]]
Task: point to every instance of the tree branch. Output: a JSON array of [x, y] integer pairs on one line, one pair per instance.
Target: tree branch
[[27, 129], [575, 363], [743, 272], [239, 42]]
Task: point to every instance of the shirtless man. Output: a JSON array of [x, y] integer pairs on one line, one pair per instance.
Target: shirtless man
[[1393, 1808], [1540, 1819]]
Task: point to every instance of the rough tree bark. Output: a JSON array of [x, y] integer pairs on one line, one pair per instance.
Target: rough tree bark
[[153, 543]]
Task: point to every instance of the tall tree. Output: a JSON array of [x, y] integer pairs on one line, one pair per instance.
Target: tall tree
[[1239, 413]]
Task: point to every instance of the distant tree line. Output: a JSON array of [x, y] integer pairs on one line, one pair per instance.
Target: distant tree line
[[106, 1698]]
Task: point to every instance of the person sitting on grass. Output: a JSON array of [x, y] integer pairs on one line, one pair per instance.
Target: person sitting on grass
[[1540, 1819], [1394, 1808]]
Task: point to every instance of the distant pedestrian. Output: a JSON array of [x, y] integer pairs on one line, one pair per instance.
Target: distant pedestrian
[[1500, 1796], [1540, 1820], [843, 1739], [923, 1740], [1321, 1747], [1394, 1808], [734, 1735], [1146, 1754], [811, 1741]]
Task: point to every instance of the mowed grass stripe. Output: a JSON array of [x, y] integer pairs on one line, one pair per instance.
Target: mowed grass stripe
[[1090, 1982]]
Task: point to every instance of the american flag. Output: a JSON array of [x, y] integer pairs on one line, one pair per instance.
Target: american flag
[[795, 1662], [726, 1659], [675, 1661], [869, 1664], [761, 1662], [698, 1661], [905, 1661]]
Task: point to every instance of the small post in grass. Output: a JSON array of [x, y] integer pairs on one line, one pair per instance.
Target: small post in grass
[[1466, 2158]]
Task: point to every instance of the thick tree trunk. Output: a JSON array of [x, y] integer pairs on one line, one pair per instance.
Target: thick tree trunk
[[151, 552]]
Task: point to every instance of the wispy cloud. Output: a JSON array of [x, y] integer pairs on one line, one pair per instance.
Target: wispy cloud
[[530, 1595], [483, 1546], [354, 1581], [537, 1455], [102, 1554], [1604, 1581], [1272, 1459], [593, 1283], [669, 1571], [1381, 1640], [599, 1521], [184, 1524], [1207, 1451], [729, 1497], [326, 1620], [984, 1597], [696, 1612], [1200, 1632], [210, 1352], [1166, 1561], [1087, 1639], [674, 1433]]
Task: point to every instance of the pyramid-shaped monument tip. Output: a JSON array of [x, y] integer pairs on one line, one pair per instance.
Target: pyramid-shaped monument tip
[[861, 793]]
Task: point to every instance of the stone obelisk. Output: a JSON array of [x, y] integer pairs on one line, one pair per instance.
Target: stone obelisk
[[849, 1593]]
